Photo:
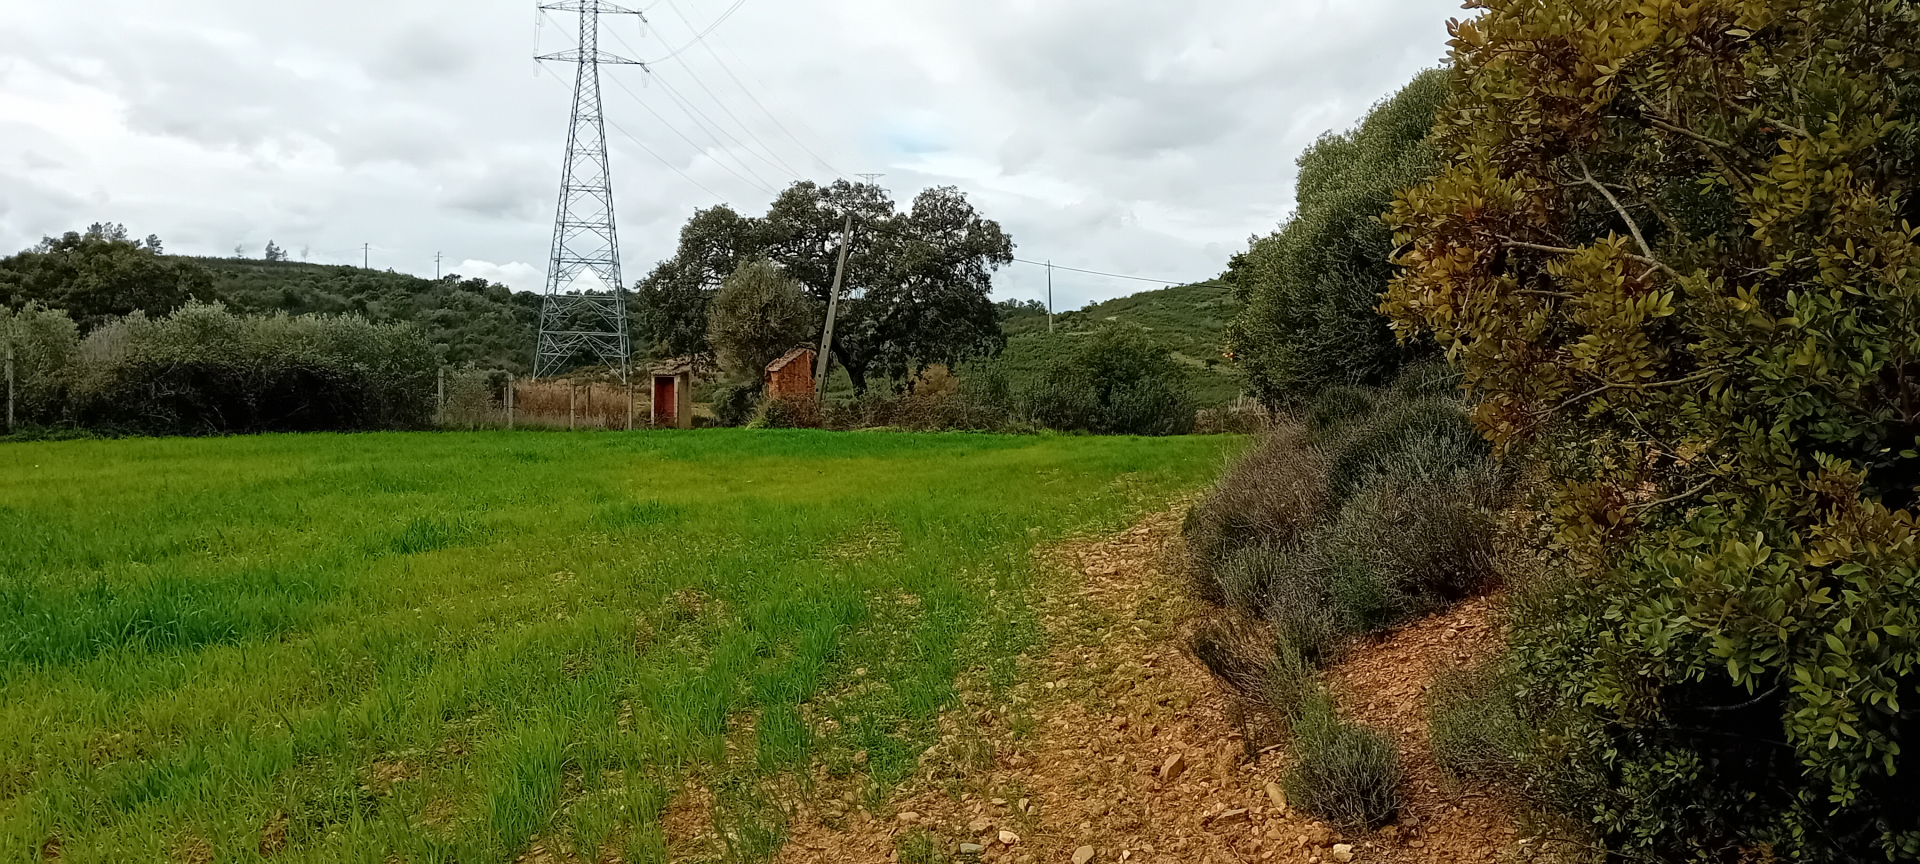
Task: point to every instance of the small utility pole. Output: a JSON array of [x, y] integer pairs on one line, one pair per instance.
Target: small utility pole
[[573, 393], [510, 400], [440, 394], [366, 256], [1049, 295], [8, 337], [833, 308], [627, 373], [436, 266]]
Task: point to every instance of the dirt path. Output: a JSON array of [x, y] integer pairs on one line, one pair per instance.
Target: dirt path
[[1120, 747]]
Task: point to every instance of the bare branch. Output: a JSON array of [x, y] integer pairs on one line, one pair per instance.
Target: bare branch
[[1652, 385], [1680, 497], [1563, 250], [1608, 194]]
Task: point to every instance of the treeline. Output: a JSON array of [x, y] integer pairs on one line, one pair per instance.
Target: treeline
[[914, 327], [1668, 254]]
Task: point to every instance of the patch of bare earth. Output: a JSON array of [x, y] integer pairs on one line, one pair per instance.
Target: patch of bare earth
[[1119, 746]]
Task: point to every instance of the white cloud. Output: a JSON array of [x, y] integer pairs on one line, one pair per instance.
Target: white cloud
[[1136, 137], [518, 276]]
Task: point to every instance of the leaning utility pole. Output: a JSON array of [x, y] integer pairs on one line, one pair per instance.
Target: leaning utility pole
[[580, 318], [1049, 295], [833, 308], [7, 335]]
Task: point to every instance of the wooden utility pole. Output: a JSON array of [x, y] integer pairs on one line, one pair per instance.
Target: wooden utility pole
[[833, 308], [510, 400], [8, 338], [1049, 295], [573, 393], [440, 395], [627, 373]]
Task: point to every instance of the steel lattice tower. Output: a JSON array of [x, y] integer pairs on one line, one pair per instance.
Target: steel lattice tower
[[576, 319]]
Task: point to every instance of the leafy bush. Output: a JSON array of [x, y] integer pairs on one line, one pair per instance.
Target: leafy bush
[[1310, 290], [1114, 381], [43, 343], [1691, 283], [204, 370], [1341, 772], [475, 397], [793, 412]]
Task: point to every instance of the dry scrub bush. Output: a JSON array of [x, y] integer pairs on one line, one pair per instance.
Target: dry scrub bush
[[1343, 773], [1267, 499], [579, 403], [1474, 725]]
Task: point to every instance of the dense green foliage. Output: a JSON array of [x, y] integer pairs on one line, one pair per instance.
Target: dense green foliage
[[447, 647], [917, 283], [205, 370], [99, 275], [1187, 321], [468, 321], [757, 316], [1113, 381], [1309, 292], [1672, 247]]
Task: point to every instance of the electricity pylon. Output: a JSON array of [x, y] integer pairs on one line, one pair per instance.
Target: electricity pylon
[[577, 318]]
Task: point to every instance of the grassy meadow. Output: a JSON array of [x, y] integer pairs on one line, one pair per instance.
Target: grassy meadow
[[449, 647]]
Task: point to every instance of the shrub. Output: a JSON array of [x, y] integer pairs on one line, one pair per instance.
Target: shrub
[[1337, 406], [1423, 440], [1309, 291], [1690, 282], [475, 397], [205, 370], [1237, 651], [733, 403], [1343, 773], [788, 413], [1114, 381], [1475, 728], [43, 342], [1267, 498]]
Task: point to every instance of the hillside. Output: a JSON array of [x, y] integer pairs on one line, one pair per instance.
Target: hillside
[[488, 325], [474, 321], [1190, 320]]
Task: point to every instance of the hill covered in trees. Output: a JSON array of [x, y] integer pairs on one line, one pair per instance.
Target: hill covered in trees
[[1190, 321], [470, 320]]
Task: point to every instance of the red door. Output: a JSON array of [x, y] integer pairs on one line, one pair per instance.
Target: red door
[[664, 401]]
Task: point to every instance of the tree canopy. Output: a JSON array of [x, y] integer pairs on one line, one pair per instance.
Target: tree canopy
[[917, 283], [1310, 290], [757, 315], [1672, 247], [99, 275]]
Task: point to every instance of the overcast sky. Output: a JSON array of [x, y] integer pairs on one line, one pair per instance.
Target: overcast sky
[[1150, 139]]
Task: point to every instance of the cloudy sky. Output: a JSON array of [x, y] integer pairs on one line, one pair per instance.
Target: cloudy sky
[[1149, 139]]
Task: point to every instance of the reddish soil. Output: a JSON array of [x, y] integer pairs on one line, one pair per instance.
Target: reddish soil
[[1121, 743]]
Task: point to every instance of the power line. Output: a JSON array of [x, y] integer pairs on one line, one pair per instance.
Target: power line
[[763, 108], [758, 183], [702, 35], [687, 107], [1111, 275], [722, 103], [649, 150], [694, 113]]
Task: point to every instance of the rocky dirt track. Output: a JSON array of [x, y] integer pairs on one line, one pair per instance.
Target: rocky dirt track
[[1121, 747]]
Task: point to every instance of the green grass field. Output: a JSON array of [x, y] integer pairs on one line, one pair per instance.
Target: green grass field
[[444, 647]]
